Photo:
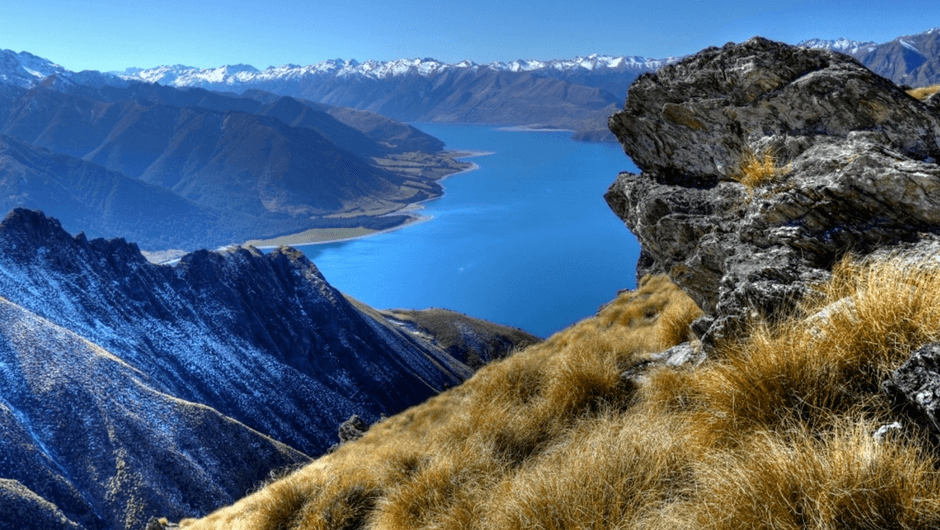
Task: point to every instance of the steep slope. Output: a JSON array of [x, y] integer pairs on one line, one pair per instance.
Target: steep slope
[[228, 161], [194, 325], [99, 443], [102, 203], [397, 137], [131, 389], [361, 136]]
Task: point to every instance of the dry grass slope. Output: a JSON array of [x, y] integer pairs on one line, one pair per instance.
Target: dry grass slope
[[774, 432], [923, 92]]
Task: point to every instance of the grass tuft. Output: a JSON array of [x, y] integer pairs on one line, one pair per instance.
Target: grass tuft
[[757, 169], [923, 93], [842, 478]]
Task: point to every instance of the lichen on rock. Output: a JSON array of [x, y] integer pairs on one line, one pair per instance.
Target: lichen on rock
[[861, 174]]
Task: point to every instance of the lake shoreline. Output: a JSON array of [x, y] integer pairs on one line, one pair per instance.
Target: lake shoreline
[[323, 236], [499, 248]]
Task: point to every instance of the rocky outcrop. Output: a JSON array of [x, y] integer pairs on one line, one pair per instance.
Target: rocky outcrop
[[130, 390], [473, 341], [916, 386], [847, 164]]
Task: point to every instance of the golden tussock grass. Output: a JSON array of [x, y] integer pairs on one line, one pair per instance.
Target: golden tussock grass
[[924, 92], [804, 478], [774, 431], [757, 169]]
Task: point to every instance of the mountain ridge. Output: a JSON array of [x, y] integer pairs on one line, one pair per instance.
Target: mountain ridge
[[132, 389], [188, 76]]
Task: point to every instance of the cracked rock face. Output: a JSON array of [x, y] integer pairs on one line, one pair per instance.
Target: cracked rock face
[[855, 172], [917, 384]]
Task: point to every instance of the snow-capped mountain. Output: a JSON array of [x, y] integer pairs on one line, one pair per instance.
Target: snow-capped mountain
[[182, 76], [570, 92], [910, 59], [24, 69], [843, 45]]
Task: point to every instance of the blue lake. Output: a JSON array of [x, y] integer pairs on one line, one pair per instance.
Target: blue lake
[[525, 240]]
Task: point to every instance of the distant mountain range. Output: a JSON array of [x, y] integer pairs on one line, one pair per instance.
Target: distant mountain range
[[576, 93], [912, 60], [566, 94], [598, 71], [129, 389], [189, 168]]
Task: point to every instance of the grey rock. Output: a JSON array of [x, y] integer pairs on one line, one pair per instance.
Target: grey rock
[[685, 354], [916, 384], [680, 355], [933, 100], [693, 119], [857, 173], [352, 429], [885, 430]]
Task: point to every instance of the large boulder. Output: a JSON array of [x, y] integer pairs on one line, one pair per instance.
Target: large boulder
[[848, 164], [916, 385]]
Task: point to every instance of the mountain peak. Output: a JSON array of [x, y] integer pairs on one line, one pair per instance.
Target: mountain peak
[[24, 233], [32, 226]]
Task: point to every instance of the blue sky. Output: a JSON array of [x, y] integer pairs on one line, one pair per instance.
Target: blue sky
[[111, 35]]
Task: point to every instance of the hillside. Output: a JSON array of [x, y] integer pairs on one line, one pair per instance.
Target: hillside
[[129, 390], [774, 369], [222, 169]]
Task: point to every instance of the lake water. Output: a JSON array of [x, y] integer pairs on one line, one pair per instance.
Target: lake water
[[525, 240]]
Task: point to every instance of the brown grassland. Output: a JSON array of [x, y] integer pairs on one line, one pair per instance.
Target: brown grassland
[[923, 92], [774, 431]]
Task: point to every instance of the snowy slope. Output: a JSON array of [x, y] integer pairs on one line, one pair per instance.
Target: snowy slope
[[240, 75], [25, 69], [129, 389], [843, 45]]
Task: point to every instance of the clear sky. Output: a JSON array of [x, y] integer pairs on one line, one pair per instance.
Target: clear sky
[[115, 34]]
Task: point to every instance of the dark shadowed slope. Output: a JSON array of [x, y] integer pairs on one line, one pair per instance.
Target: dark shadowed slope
[[131, 389], [231, 161], [102, 203], [368, 134]]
